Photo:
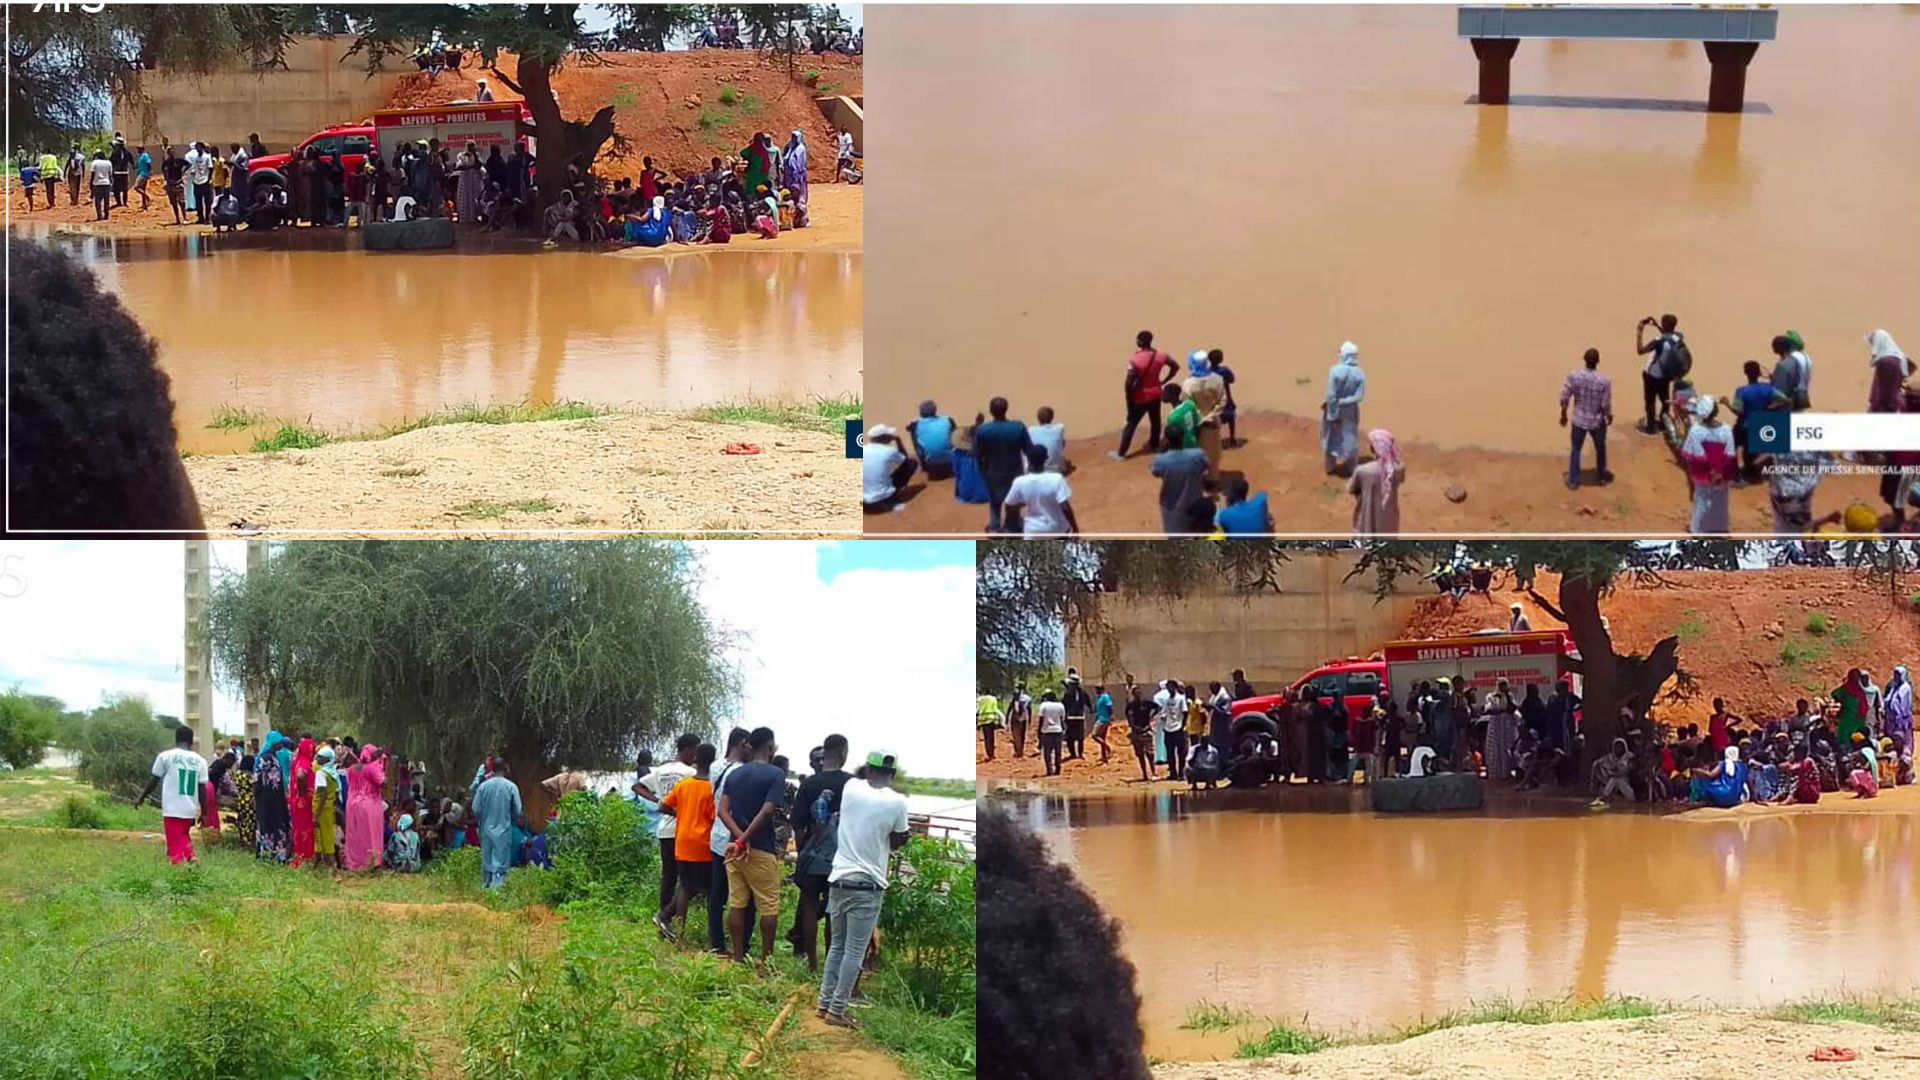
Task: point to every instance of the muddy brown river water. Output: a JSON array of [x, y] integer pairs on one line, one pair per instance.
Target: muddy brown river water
[[1358, 922], [310, 330], [1273, 181]]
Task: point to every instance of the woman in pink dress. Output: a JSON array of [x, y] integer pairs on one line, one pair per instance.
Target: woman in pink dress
[[300, 803], [366, 811]]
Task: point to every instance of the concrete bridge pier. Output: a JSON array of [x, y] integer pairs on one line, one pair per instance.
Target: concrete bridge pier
[[1496, 68], [1727, 89]]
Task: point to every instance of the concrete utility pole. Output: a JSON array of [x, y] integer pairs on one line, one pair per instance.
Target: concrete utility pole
[[255, 701], [198, 708]]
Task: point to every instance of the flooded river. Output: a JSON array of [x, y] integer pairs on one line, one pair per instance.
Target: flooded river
[[1361, 922], [311, 330], [1273, 181]]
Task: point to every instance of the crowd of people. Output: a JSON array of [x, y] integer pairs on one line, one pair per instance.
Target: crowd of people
[[731, 827], [1861, 739], [989, 461], [760, 191]]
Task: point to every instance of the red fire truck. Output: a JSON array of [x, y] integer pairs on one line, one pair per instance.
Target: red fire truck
[[1480, 659]]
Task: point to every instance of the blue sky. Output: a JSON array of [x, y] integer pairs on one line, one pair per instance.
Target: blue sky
[[838, 557]]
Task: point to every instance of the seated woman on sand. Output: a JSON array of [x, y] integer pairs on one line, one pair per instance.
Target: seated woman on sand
[[649, 227], [1722, 784]]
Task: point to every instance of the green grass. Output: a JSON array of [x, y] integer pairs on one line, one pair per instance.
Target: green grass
[[1845, 634], [1552, 1011], [234, 418], [710, 120], [291, 437], [1794, 652], [1210, 1016], [1691, 626], [827, 87], [489, 510], [1284, 1039], [1892, 1014], [517, 413], [1817, 622], [819, 414], [729, 95]]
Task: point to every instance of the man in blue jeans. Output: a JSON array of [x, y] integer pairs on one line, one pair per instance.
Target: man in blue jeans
[[1591, 396], [872, 824]]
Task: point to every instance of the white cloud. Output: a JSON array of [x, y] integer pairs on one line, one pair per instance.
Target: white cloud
[[884, 657]]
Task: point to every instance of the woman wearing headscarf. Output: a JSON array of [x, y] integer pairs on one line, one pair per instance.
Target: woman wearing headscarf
[[793, 174], [272, 839], [653, 225], [1340, 412], [1208, 393], [403, 847], [366, 812], [300, 803], [759, 158], [319, 201], [765, 209], [1722, 784], [471, 184], [1897, 707], [1852, 696], [1375, 487], [719, 224], [1503, 730], [1708, 455], [326, 792], [243, 817]]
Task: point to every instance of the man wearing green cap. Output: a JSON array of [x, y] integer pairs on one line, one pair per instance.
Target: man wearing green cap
[[873, 824]]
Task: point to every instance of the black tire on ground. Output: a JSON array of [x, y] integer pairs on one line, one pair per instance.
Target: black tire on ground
[[1251, 723], [417, 235]]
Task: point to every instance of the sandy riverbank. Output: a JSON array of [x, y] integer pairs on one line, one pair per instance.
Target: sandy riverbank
[[652, 471], [836, 210], [1716, 1045], [1506, 492]]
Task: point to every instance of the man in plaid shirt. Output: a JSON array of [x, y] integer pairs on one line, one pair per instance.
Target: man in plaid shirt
[[1591, 395]]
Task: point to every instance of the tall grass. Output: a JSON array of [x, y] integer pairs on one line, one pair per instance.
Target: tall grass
[[1211, 1016], [828, 414]]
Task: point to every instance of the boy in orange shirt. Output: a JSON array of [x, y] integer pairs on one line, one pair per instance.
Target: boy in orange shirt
[[691, 803]]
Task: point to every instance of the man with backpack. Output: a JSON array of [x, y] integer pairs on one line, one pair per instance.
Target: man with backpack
[[813, 808], [1668, 361], [871, 825]]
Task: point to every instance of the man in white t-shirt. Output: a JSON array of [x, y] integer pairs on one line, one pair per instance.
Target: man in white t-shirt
[[653, 787], [1053, 728], [1173, 726], [884, 469], [872, 825], [179, 774], [1042, 497], [843, 152]]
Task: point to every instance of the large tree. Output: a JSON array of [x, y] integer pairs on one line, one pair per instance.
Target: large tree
[[572, 653], [541, 39], [66, 66]]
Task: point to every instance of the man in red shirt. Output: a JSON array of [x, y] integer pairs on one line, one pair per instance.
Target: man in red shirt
[[1147, 371], [1717, 726]]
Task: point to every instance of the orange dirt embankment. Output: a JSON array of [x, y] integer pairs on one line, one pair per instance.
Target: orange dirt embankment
[[671, 106], [1743, 636]]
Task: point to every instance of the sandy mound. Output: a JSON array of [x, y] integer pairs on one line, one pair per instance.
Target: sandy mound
[[669, 105], [1681, 1046], [1744, 636], [652, 471]]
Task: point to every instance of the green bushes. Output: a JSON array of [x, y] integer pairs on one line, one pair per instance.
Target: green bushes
[[615, 1005], [79, 811], [26, 727], [117, 746], [928, 922], [602, 852]]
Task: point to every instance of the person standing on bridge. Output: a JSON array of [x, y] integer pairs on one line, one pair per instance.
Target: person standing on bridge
[[1340, 412]]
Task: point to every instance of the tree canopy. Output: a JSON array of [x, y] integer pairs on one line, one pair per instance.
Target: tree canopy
[[27, 725], [562, 652]]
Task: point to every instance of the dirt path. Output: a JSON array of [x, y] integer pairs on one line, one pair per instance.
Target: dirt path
[[1681, 1046], [653, 471], [835, 1053], [1505, 492]]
